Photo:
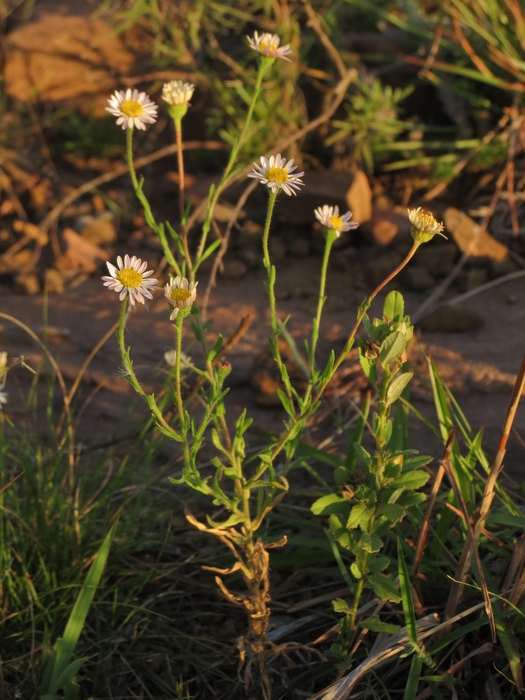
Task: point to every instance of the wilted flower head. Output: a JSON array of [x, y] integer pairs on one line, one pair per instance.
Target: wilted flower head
[[170, 357], [181, 294], [130, 279], [133, 109], [268, 45], [277, 174], [424, 225], [176, 92], [330, 218]]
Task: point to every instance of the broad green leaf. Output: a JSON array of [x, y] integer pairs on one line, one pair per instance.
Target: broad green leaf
[[393, 511], [328, 504], [396, 388], [411, 481], [378, 564], [384, 587], [374, 624], [287, 404], [340, 605], [415, 462], [359, 516], [394, 307], [356, 571], [392, 348], [370, 543]]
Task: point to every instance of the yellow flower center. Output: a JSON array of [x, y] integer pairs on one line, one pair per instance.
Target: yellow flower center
[[131, 108], [277, 175], [426, 221], [129, 278], [268, 47], [336, 223], [179, 296]]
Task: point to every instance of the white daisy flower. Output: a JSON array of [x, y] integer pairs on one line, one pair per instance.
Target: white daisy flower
[[268, 45], [133, 109], [3, 398], [180, 293], [130, 279], [177, 92], [276, 173], [424, 225], [330, 218]]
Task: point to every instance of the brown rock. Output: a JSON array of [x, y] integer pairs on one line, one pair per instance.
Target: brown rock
[[464, 230], [80, 254], [437, 259], [62, 58], [384, 226], [233, 268], [470, 279], [452, 319], [27, 284], [418, 278], [265, 377], [333, 187], [101, 231], [299, 247], [376, 270], [54, 282]]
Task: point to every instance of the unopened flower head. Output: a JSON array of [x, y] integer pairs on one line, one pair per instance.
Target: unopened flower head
[[268, 46], [331, 219], [176, 92], [277, 174], [424, 225], [130, 278], [133, 109], [181, 294]]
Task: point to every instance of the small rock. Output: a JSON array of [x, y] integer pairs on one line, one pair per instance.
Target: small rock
[[277, 248], [384, 226], [359, 197], [100, 230], [26, 283], [251, 255], [376, 270], [252, 229], [470, 279], [54, 282], [452, 319], [417, 278], [233, 268], [299, 247], [463, 229], [59, 58], [80, 254], [438, 259]]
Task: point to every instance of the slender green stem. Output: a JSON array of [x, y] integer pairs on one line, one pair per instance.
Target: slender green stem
[[130, 374], [129, 154], [180, 164], [270, 269], [178, 392], [348, 346], [331, 235], [263, 65]]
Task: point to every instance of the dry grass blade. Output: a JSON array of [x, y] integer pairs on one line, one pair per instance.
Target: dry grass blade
[[486, 597], [9, 483], [430, 506], [488, 495]]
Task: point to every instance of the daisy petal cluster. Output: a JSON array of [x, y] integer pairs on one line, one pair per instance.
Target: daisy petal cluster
[[181, 294], [276, 173], [176, 92], [424, 225], [331, 219], [130, 279], [134, 109], [268, 45]]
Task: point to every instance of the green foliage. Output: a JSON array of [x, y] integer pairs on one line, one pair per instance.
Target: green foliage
[[372, 121]]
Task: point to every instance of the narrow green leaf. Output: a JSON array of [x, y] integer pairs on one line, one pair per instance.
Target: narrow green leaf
[[413, 678], [384, 587], [406, 596], [397, 387], [392, 348], [411, 480], [375, 624]]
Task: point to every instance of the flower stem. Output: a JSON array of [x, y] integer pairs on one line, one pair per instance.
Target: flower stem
[[131, 376], [180, 405], [129, 155], [263, 65], [180, 164], [331, 235]]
